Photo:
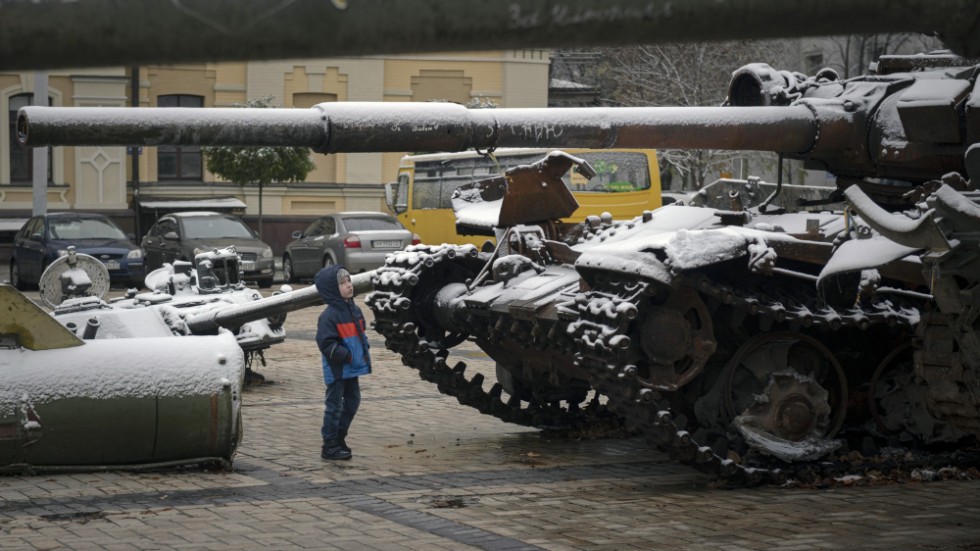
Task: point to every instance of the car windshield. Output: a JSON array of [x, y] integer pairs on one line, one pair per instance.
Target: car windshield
[[368, 223], [202, 227], [83, 228]]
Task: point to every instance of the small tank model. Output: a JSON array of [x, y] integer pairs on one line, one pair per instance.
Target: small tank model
[[760, 335]]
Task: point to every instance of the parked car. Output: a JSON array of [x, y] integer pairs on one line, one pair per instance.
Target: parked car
[[184, 235], [44, 238], [358, 240]]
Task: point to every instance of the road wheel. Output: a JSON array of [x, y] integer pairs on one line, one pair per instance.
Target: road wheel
[[265, 283], [287, 270], [327, 261]]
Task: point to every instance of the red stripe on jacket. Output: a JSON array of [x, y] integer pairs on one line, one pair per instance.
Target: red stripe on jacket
[[348, 329]]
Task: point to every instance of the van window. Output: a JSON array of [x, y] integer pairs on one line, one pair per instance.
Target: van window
[[627, 182]]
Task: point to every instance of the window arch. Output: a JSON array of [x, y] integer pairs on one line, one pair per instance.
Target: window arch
[[179, 162]]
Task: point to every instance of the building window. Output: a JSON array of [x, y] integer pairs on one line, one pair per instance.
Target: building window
[[22, 158], [180, 162]]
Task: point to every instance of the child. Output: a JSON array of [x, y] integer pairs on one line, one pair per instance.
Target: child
[[344, 352]]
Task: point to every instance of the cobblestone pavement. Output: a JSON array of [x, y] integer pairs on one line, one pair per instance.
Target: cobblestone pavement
[[428, 473]]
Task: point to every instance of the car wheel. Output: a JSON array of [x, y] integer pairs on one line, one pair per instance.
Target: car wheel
[[265, 283], [327, 261], [15, 279], [287, 270]]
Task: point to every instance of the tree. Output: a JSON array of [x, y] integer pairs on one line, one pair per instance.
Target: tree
[[691, 74], [259, 165], [850, 55]]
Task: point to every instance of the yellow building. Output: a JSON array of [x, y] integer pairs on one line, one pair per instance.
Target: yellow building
[[101, 179]]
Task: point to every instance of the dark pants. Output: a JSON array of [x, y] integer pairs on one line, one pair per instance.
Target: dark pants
[[342, 401]]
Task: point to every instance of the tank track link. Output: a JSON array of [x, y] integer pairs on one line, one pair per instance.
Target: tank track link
[[396, 320]]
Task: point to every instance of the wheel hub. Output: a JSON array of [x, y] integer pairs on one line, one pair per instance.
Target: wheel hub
[[790, 419], [677, 340], [793, 418]]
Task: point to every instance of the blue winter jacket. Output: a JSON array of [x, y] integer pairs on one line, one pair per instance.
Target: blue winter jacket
[[340, 331]]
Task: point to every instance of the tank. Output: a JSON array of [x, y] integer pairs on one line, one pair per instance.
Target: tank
[[762, 331]]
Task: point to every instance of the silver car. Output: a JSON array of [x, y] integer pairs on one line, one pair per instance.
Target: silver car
[[358, 240]]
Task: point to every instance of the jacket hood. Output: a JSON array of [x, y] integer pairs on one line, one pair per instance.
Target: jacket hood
[[327, 286]]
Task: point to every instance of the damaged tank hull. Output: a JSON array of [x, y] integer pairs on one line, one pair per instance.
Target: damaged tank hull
[[711, 339], [65, 405]]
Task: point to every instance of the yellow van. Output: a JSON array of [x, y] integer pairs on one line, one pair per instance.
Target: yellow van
[[627, 182]]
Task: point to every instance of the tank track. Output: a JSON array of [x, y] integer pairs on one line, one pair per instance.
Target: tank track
[[649, 410], [597, 322], [396, 320]]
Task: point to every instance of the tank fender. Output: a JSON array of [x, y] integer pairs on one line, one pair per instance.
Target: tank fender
[[863, 254], [921, 233], [635, 262], [660, 256]]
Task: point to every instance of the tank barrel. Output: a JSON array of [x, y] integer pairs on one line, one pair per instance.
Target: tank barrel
[[270, 306], [394, 127], [107, 33]]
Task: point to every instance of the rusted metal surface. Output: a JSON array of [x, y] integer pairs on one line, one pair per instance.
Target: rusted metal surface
[[29, 325]]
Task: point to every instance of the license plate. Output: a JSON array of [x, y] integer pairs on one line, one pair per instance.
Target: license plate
[[112, 265], [389, 244], [248, 266]]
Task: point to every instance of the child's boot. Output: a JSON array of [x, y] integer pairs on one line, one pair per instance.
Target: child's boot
[[342, 440], [332, 450]]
